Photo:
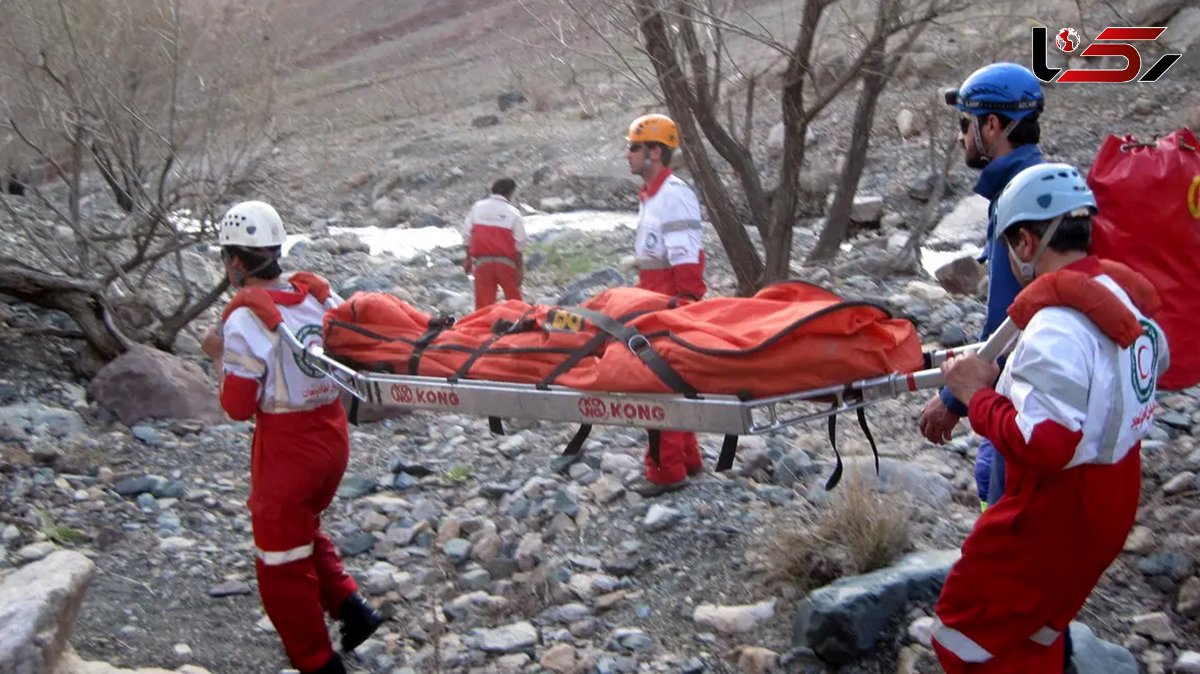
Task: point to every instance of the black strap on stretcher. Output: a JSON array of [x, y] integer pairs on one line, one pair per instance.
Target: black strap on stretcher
[[575, 445], [641, 347], [499, 330], [729, 448], [435, 327], [836, 477], [730, 443], [644, 350]]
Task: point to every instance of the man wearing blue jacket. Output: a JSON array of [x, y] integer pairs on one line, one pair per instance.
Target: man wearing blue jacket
[[1000, 105]]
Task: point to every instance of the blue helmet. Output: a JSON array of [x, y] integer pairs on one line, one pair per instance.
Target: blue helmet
[[1042, 192], [1005, 89]]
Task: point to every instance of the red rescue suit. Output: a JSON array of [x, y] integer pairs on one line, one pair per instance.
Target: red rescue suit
[[670, 258], [1068, 414], [300, 450], [494, 234]]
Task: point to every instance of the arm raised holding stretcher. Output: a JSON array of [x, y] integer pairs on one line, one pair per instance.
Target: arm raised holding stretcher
[[1068, 415], [300, 446]]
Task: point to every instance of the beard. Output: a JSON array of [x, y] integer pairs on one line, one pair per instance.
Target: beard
[[976, 161]]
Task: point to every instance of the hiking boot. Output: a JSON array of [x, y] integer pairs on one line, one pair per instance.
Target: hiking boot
[[359, 622], [693, 471], [334, 666], [648, 489]]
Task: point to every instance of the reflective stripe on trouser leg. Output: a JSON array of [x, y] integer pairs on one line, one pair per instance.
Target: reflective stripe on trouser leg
[[1026, 657], [291, 596], [276, 558], [960, 645], [1045, 636]]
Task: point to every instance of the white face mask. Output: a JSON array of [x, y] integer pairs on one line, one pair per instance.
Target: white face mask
[[1026, 271]]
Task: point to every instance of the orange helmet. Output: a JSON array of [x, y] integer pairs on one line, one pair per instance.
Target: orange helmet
[[654, 129]]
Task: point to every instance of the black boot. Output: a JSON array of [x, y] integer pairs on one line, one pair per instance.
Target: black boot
[[334, 666], [359, 622]]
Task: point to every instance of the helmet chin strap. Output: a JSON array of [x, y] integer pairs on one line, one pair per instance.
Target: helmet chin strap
[[979, 145], [1028, 270], [240, 277]]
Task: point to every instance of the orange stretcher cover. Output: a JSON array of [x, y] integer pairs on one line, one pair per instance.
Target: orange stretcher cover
[[789, 337]]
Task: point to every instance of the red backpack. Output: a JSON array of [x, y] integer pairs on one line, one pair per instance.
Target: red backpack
[[1149, 219]]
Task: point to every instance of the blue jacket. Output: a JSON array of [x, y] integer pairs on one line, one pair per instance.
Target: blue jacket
[[1003, 285]]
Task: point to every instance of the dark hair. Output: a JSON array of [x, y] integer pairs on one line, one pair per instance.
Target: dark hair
[[262, 263], [504, 187], [1027, 131], [1074, 233], [666, 152]]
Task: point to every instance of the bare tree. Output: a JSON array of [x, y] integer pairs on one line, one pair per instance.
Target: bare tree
[[943, 150], [158, 110], [705, 52]]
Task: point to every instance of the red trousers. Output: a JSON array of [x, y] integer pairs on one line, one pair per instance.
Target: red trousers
[[297, 463], [678, 455], [678, 451], [489, 276], [1030, 564]]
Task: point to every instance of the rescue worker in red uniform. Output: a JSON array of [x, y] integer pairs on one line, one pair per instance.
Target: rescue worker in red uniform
[[670, 259], [301, 441], [494, 234], [1068, 414]]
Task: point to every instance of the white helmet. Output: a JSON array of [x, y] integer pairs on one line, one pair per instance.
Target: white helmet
[[251, 224]]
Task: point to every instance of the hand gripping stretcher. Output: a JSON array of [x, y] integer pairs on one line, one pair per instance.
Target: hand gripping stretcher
[[723, 414]]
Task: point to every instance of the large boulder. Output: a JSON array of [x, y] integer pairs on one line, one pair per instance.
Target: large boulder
[[38, 607], [962, 276], [966, 223], [146, 383], [30, 417], [846, 619], [39, 604]]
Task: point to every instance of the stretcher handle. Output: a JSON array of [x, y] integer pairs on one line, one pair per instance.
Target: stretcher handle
[[1000, 342], [315, 356], [892, 385], [939, 356]]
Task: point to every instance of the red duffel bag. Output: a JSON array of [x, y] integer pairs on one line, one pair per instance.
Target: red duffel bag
[[1148, 196]]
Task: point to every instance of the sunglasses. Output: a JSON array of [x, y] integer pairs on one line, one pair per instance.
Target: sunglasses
[[636, 147], [964, 123]]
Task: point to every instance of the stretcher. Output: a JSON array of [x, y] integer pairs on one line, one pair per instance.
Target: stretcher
[[721, 414]]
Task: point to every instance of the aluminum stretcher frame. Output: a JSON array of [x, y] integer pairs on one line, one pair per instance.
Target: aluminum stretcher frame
[[723, 414]]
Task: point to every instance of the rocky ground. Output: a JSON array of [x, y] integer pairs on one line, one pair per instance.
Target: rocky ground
[[489, 559]]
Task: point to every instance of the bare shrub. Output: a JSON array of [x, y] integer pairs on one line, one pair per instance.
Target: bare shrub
[[861, 531], [874, 528], [127, 114]]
